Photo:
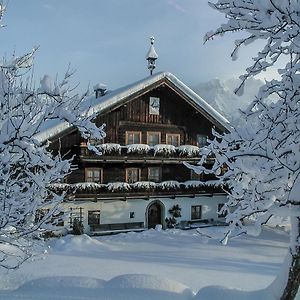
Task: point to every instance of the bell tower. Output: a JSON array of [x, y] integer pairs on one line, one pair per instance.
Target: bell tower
[[151, 56]]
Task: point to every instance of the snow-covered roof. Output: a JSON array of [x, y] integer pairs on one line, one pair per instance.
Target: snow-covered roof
[[118, 96]]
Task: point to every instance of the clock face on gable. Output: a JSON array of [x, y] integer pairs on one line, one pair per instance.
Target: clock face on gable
[[154, 104]]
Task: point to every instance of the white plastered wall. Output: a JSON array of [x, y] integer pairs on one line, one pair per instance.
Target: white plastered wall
[[116, 211]]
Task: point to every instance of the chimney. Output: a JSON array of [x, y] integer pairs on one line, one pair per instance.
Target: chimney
[[100, 90]]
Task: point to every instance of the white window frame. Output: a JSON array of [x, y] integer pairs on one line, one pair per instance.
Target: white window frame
[[153, 132], [139, 133], [177, 135]]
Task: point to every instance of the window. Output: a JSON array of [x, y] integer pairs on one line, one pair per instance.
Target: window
[[173, 139], [195, 176], [133, 137], [223, 214], [201, 140], [93, 217], [93, 175], [153, 138], [131, 215], [154, 104], [196, 212], [133, 175], [154, 174]]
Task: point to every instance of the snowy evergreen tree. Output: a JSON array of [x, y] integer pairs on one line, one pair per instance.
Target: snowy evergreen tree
[[26, 166], [261, 157]]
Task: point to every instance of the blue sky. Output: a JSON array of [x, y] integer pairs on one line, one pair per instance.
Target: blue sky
[[106, 40]]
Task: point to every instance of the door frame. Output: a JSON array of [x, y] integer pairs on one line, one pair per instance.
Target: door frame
[[162, 207]]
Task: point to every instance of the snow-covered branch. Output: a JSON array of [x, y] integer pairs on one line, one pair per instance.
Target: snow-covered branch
[[261, 156], [26, 165]]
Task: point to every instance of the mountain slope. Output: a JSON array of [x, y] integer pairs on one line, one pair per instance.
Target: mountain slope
[[220, 95]]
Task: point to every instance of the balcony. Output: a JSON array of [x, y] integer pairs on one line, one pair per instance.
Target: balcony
[[141, 189], [137, 153]]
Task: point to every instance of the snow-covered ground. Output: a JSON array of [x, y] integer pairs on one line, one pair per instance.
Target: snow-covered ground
[[153, 264]]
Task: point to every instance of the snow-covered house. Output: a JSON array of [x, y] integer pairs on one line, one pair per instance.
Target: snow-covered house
[[152, 127]]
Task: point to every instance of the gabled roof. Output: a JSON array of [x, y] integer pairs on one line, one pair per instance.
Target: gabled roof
[[117, 98]]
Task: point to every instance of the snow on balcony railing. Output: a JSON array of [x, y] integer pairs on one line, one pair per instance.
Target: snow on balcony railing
[[197, 183], [188, 150], [88, 185], [138, 148], [144, 185], [156, 150], [169, 185], [164, 149], [110, 148], [118, 186]]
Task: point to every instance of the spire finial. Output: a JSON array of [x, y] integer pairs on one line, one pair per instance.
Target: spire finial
[[151, 56]]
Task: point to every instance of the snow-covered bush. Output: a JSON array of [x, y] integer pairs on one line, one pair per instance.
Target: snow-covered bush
[[175, 212], [78, 228]]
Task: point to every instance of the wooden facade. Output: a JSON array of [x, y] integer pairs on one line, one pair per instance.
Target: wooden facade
[[160, 113]]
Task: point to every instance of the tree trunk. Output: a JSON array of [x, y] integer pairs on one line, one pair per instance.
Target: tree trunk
[[293, 280]]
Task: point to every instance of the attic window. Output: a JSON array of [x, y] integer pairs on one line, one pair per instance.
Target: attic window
[[154, 104]]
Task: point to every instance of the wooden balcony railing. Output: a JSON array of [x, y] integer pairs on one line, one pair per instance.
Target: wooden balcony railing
[[161, 150], [142, 187]]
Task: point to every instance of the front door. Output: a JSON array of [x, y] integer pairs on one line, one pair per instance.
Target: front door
[[154, 215]]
